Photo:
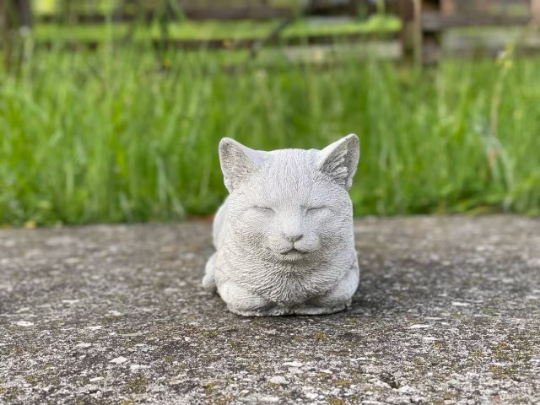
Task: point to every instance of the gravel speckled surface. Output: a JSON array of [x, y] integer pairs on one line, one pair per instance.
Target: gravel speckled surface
[[448, 312]]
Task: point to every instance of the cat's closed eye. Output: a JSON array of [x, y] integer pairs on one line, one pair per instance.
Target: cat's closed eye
[[316, 210], [262, 210]]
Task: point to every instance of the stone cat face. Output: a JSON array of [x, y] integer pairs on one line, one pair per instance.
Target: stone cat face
[[290, 205]]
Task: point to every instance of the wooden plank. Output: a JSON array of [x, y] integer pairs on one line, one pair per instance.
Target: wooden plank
[[24, 13], [435, 22], [406, 14], [406, 10], [216, 44], [535, 10], [332, 7], [237, 13], [431, 5], [486, 7], [447, 7], [432, 54], [260, 13], [5, 32], [418, 39]]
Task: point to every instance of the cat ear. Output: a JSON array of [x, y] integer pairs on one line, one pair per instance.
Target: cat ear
[[238, 162], [340, 160]]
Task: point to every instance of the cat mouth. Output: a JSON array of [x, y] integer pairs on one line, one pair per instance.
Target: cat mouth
[[293, 254]]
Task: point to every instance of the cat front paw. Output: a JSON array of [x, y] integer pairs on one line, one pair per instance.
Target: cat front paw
[[320, 310], [244, 302]]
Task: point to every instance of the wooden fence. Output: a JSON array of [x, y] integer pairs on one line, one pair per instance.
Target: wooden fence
[[423, 21]]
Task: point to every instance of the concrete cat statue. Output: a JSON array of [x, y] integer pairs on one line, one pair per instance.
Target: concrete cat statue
[[284, 236]]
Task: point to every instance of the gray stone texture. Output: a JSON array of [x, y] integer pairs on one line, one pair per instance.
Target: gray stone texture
[[284, 236], [447, 313]]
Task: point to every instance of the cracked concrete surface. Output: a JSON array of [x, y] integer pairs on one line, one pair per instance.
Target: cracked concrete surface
[[448, 312]]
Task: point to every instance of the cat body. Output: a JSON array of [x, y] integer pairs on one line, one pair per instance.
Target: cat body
[[284, 237]]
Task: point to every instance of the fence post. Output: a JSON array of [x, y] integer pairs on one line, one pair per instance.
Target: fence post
[[6, 33], [24, 13], [418, 34], [535, 10], [406, 13], [14, 15]]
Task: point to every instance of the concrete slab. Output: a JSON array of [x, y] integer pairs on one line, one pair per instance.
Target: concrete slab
[[448, 312]]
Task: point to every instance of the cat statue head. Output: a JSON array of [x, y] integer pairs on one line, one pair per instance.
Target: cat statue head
[[290, 206]]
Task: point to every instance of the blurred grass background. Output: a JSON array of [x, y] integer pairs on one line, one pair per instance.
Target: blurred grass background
[[115, 136], [105, 137]]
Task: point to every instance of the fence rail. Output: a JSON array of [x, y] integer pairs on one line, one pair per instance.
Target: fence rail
[[241, 43], [196, 14], [436, 22]]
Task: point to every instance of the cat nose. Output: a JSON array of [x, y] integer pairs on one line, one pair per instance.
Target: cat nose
[[294, 237]]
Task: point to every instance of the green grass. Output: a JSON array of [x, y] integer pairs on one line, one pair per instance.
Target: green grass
[[202, 30], [111, 137]]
